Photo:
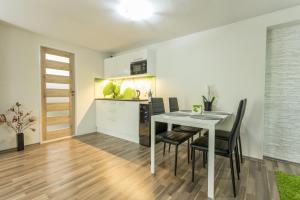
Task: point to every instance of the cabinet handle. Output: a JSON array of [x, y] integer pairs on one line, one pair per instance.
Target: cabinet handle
[[137, 59]]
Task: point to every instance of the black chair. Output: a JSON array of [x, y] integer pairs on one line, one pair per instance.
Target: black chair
[[222, 147], [165, 136], [225, 135], [173, 105]]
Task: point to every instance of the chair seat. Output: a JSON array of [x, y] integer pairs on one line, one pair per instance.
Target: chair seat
[[187, 129], [221, 134], [173, 137], [221, 146]]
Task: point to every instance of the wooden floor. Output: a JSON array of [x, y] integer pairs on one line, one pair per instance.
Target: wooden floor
[[97, 166]]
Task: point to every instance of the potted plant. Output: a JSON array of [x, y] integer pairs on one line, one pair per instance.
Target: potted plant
[[19, 121], [208, 101]]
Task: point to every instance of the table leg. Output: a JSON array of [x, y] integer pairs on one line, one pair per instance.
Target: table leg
[[211, 163], [169, 127], [152, 146]]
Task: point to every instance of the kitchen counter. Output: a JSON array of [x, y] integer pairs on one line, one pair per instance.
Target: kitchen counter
[[137, 100], [119, 118]]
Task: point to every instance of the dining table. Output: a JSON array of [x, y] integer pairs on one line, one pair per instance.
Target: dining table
[[206, 120]]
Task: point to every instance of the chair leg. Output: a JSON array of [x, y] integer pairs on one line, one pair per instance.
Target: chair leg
[[204, 158], [237, 162], [169, 147], [232, 175], [188, 150], [192, 140], [238, 158], [176, 152], [192, 155], [193, 164], [241, 152], [164, 149]]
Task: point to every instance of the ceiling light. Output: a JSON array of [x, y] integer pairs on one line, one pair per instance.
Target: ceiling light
[[135, 10]]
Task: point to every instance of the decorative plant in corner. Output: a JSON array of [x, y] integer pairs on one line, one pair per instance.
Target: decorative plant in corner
[[19, 121], [208, 101]]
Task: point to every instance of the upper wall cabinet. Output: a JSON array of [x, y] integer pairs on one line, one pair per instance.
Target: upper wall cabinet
[[120, 65]]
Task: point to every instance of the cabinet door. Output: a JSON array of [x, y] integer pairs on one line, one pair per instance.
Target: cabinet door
[[118, 118], [108, 67], [138, 56], [127, 120], [105, 116], [117, 66], [125, 65]]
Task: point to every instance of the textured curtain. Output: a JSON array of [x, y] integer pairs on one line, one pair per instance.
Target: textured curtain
[[282, 94]]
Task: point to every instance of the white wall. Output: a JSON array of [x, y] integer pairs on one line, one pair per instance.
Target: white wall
[[20, 79], [232, 59]]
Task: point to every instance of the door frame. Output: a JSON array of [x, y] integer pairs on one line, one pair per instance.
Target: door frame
[[43, 114]]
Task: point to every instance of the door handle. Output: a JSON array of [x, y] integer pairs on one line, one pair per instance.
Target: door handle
[[73, 93]]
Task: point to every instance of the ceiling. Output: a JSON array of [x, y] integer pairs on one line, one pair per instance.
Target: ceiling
[[96, 23]]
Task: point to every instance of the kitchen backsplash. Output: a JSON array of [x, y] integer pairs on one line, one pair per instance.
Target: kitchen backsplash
[[127, 86]]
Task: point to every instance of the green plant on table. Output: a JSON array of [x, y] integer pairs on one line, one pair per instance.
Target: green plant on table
[[209, 98], [196, 108]]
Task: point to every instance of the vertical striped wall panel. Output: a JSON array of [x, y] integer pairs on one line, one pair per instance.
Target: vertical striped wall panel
[[282, 94]]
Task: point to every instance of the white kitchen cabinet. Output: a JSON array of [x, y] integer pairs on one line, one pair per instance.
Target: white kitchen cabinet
[[138, 55], [119, 66], [109, 64], [118, 118], [122, 65], [116, 67]]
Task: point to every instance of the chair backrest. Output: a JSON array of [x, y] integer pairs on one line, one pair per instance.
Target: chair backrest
[[242, 115], [244, 107], [173, 104], [236, 126], [157, 107]]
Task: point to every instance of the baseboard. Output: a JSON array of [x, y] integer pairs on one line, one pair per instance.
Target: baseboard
[[14, 149], [58, 139], [280, 160], [121, 137]]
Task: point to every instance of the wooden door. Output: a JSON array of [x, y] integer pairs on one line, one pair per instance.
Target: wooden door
[[57, 77]]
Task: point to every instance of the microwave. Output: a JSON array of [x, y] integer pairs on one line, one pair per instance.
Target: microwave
[[139, 67]]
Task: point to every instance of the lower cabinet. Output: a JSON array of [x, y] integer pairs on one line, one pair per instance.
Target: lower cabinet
[[118, 118]]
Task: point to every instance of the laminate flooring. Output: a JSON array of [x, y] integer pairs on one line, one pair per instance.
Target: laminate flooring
[[97, 166]]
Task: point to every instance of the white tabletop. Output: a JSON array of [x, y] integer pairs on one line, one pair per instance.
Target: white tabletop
[[188, 120]]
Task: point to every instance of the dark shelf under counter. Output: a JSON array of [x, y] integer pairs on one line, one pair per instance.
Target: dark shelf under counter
[[109, 99]]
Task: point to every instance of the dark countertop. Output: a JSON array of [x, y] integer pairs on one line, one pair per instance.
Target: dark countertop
[[136, 100]]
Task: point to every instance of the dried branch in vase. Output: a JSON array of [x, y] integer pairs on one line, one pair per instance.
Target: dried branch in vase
[[19, 120], [2, 119]]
